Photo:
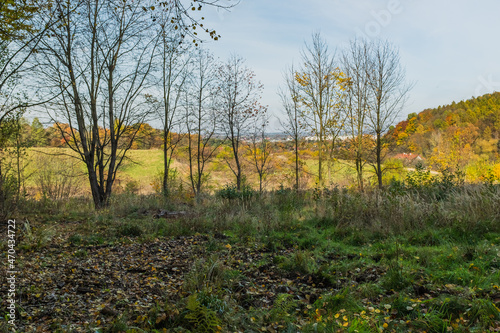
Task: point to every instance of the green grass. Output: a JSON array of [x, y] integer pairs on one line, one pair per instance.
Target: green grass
[[141, 171], [340, 261], [143, 166]]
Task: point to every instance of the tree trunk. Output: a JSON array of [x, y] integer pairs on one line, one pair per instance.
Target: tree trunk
[[113, 138], [235, 145], [97, 194], [296, 164], [379, 160], [238, 176], [260, 183], [164, 187], [320, 161], [359, 170]]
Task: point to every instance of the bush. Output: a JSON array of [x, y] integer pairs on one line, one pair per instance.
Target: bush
[[57, 177], [9, 187], [206, 275], [230, 192], [132, 187], [129, 230]]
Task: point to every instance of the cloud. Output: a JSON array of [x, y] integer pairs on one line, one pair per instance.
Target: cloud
[[446, 46]]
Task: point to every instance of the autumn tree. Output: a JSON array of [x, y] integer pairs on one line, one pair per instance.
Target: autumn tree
[[387, 93], [174, 58], [16, 18], [355, 63], [145, 136], [238, 96], [20, 35], [320, 90], [292, 125], [97, 65], [453, 147]]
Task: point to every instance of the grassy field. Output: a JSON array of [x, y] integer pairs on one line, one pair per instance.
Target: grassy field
[[140, 166], [142, 169], [417, 259]]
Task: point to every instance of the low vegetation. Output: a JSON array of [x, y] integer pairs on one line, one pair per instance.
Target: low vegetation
[[422, 255]]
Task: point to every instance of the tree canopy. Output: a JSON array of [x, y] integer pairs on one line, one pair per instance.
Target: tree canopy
[[15, 18]]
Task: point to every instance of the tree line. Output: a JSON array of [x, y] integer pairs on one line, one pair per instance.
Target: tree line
[[101, 69], [357, 94], [456, 135]]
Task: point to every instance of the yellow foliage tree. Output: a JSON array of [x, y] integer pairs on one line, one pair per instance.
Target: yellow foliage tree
[[321, 85]]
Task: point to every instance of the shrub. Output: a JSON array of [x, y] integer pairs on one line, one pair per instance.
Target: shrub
[[129, 230], [57, 177], [230, 192], [36, 237], [132, 187], [206, 276], [419, 178]]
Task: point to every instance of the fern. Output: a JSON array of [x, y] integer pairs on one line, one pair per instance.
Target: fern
[[283, 306], [202, 318]]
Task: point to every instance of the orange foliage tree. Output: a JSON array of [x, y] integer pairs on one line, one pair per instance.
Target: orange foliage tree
[[453, 147]]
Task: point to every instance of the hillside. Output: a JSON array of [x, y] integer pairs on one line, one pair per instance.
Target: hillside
[[456, 134]]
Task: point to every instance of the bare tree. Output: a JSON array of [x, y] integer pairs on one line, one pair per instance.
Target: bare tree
[[320, 82], [290, 99], [201, 117], [177, 22], [238, 101], [259, 148], [356, 65], [388, 92], [95, 64], [174, 58]]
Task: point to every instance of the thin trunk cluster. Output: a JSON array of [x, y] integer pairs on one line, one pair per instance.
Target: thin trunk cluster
[[359, 97], [96, 65], [320, 89], [238, 95], [201, 118], [290, 98]]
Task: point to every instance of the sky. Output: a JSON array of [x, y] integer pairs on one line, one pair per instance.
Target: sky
[[449, 48]]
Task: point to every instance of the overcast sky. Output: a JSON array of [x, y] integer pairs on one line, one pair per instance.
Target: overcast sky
[[450, 48]]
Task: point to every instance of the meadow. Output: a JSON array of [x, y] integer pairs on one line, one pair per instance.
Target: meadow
[[421, 255], [142, 170]]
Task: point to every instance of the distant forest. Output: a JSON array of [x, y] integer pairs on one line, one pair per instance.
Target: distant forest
[[453, 135]]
